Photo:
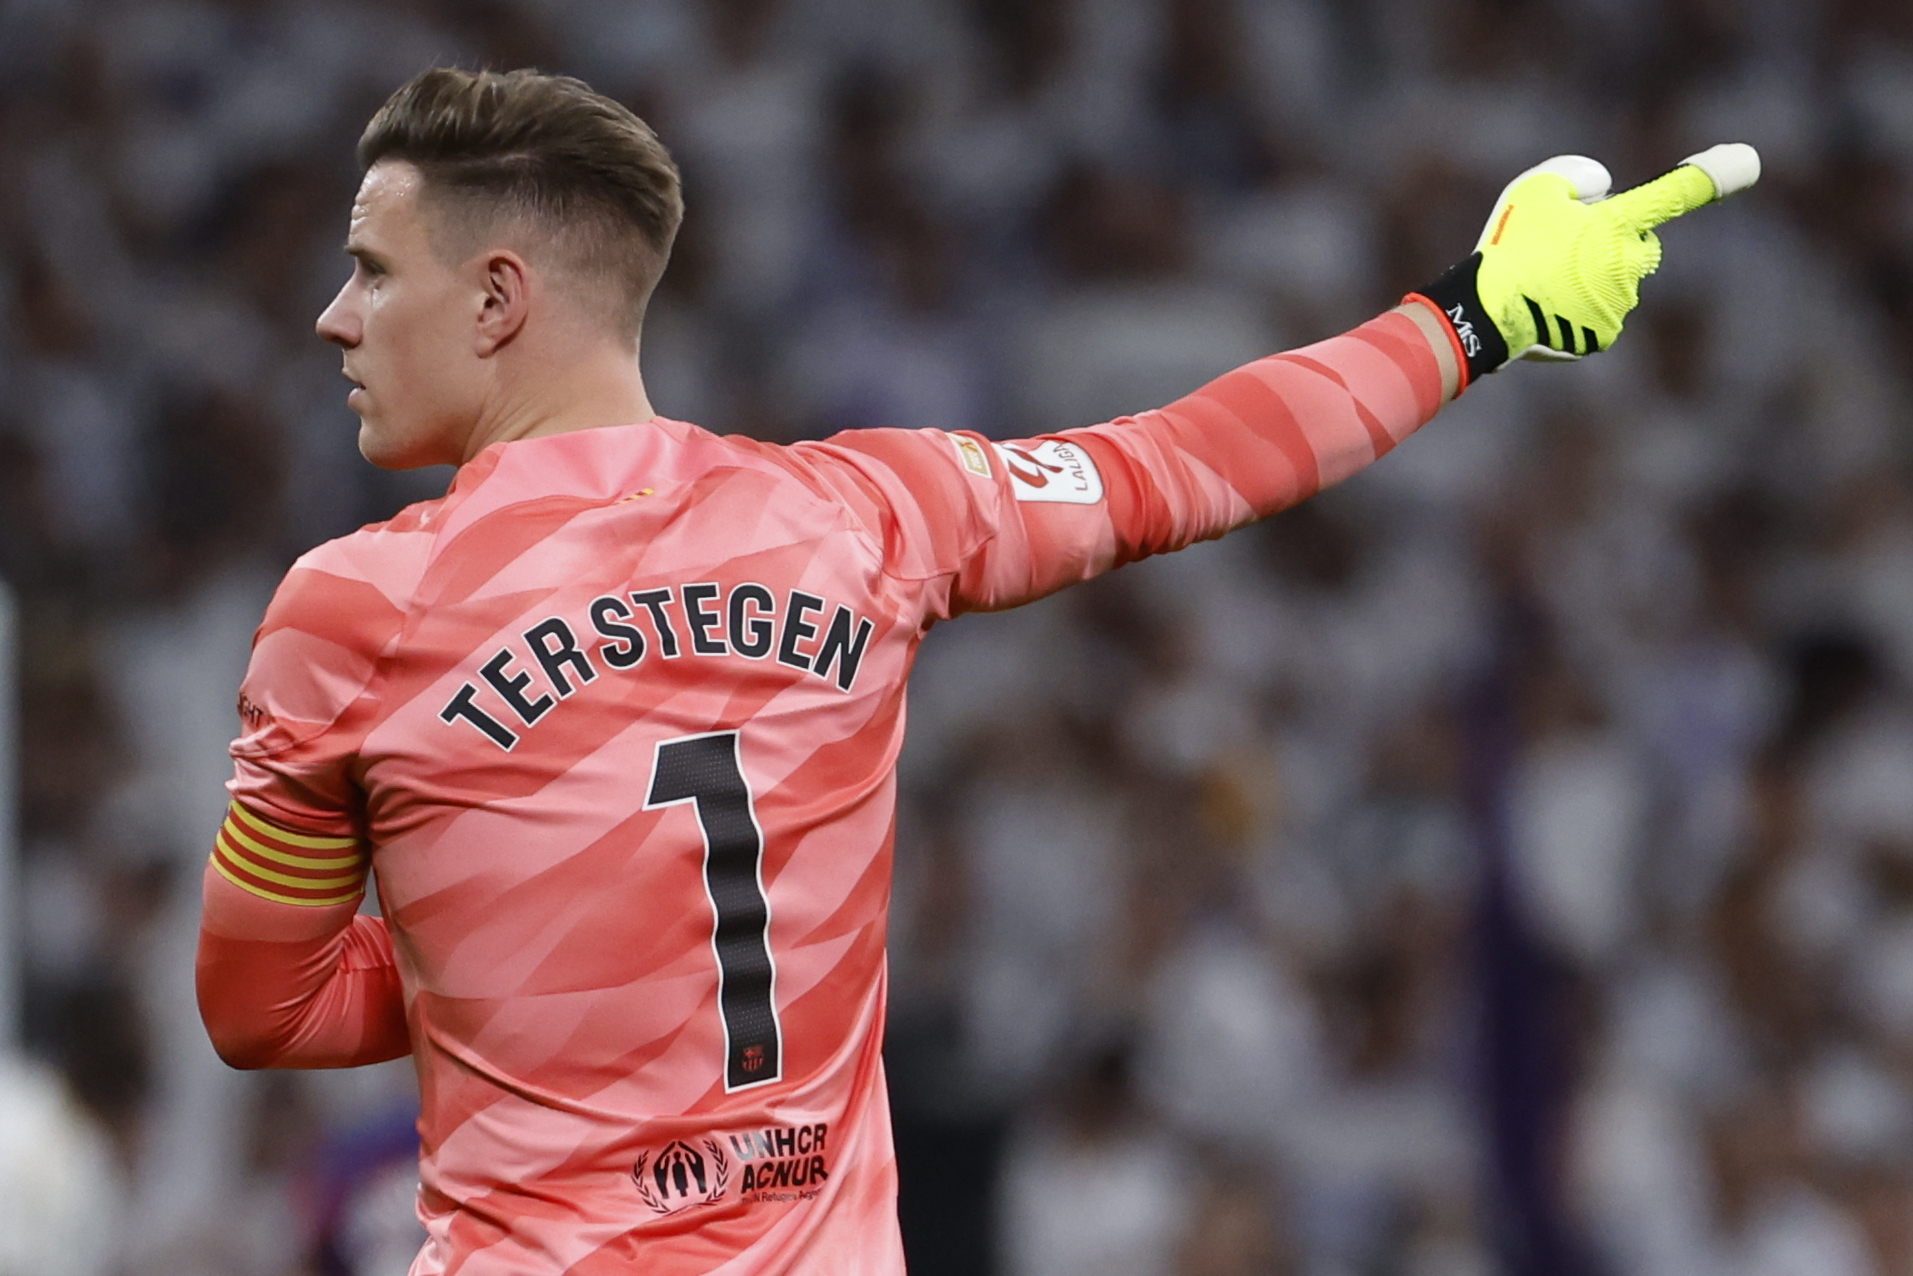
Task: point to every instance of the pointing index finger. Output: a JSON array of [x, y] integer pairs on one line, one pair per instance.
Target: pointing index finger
[[1715, 173], [1663, 199]]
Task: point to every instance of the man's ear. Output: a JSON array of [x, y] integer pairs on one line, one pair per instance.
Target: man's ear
[[505, 300]]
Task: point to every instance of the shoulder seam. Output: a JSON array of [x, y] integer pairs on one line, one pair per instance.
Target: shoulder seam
[[409, 609], [809, 474], [875, 538]]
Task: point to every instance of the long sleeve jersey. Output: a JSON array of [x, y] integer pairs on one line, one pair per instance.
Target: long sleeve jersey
[[615, 724]]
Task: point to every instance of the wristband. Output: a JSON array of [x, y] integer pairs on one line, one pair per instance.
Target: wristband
[[1477, 340]]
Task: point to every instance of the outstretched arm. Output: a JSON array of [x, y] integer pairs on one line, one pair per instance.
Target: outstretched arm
[[1262, 437], [1557, 269], [289, 974]]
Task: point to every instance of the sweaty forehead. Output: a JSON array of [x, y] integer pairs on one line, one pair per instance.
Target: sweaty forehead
[[387, 202]]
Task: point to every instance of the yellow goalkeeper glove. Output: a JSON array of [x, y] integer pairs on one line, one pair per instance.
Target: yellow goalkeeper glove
[[1560, 264]]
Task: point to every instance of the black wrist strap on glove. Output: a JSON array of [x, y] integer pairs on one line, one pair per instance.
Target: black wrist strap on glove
[[1480, 343]]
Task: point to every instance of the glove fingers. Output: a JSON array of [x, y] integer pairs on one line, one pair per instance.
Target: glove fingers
[[1661, 200]]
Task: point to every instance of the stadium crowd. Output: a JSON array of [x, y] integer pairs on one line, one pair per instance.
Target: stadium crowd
[[1502, 864]]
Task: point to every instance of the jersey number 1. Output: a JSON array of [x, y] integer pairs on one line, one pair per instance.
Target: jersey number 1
[[703, 769]]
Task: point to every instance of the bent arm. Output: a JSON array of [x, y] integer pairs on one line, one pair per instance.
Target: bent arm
[[289, 974]]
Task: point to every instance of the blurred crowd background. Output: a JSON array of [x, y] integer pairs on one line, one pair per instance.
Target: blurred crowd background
[[1502, 864]]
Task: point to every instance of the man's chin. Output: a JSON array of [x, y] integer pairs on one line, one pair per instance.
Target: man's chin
[[376, 446]]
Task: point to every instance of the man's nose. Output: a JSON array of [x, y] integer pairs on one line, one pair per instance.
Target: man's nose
[[337, 322]]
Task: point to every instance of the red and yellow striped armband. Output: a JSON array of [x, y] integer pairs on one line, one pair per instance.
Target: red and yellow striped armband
[[286, 867]]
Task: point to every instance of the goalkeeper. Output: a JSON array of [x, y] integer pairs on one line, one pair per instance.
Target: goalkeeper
[[615, 721]]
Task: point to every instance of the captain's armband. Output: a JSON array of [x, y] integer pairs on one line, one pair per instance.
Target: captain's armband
[[287, 867]]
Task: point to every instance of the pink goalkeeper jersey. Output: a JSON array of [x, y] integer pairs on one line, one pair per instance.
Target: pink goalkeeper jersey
[[615, 725]]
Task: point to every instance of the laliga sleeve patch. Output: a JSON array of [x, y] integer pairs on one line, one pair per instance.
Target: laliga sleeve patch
[[1051, 470]]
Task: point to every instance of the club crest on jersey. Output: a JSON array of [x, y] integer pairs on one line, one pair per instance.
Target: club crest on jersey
[[682, 1177], [1051, 471]]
